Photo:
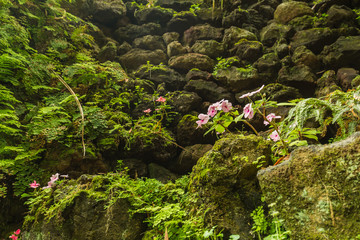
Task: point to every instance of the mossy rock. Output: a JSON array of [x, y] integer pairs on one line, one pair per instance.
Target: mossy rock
[[316, 190], [224, 182]]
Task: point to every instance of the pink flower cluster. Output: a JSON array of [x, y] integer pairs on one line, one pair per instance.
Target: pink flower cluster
[[34, 184], [51, 183], [223, 105], [160, 99], [15, 235]]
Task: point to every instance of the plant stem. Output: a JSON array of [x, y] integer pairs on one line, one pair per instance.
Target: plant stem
[[251, 126]]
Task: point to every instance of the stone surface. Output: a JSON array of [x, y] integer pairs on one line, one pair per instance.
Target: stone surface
[[340, 16], [132, 31], [304, 56], [326, 84], [153, 14], [160, 173], [179, 23], [137, 57], [175, 48], [202, 32], [233, 35], [108, 52], [184, 63], [248, 51], [149, 42], [344, 77], [185, 102], [273, 32], [225, 180], [316, 190], [189, 157], [170, 37], [211, 48], [290, 10]]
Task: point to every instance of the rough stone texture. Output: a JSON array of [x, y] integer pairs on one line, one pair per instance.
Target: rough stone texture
[[268, 66], [233, 35], [153, 14], [170, 37], [345, 52], [137, 57], [237, 79], [131, 31], [314, 39], [189, 157], [208, 90], [185, 102], [225, 180], [124, 48], [211, 48], [172, 79], [340, 16], [202, 32], [175, 48], [179, 23], [248, 51], [177, 5], [344, 77], [304, 56], [316, 191], [150, 42], [290, 10], [273, 32], [160, 173], [87, 218], [300, 77], [188, 61], [281, 93], [107, 53], [326, 84]]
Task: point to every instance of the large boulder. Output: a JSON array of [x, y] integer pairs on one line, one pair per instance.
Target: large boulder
[[290, 10], [304, 56], [211, 48], [131, 31], [185, 102], [137, 57], [345, 52], [180, 22], [248, 51], [202, 32], [150, 42], [184, 63], [233, 35], [273, 32], [316, 190], [340, 16], [175, 48], [224, 182], [326, 84], [153, 14]]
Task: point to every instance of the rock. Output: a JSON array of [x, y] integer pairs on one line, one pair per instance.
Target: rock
[[124, 48], [185, 102], [268, 66], [287, 11], [211, 48], [315, 191], [169, 37], [137, 57], [188, 61], [281, 93], [208, 91], [160, 173], [177, 5], [273, 32], [188, 134], [180, 22], [300, 77], [103, 11], [314, 39], [340, 16], [189, 157], [85, 217], [202, 32], [326, 84], [345, 76], [195, 74], [210, 15], [236, 18], [137, 168], [153, 14], [233, 35], [304, 56], [345, 52], [355, 82], [131, 31], [175, 48], [248, 51], [162, 74], [237, 79], [107, 53], [150, 42], [224, 182]]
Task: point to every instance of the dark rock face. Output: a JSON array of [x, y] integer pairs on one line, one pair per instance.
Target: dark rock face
[[137, 57], [211, 48], [233, 35], [150, 42], [315, 191], [87, 218], [189, 157], [131, 31], [273, 32], [188, 61], [154, 14], [225, 179], [202, 32], [179, 23], [185, 102]]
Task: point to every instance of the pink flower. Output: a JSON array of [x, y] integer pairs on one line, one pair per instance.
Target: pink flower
[[17, 232], [248, 111], [203, 119], [270, 117], [13, 237], [226, 106], [212, 110], [161, 99], [252, 93], [147, 110], [275, 136], [34, 185], [54, 177]]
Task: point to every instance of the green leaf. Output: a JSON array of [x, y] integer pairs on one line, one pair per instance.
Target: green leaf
[[219, 128]]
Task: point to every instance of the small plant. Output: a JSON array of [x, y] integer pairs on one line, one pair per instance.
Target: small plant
[[194, 8], [224, 63]]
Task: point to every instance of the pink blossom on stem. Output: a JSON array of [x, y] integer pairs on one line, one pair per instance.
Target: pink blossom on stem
[[13, 237], [161, 99], [212, 110], [249, 94], [17, 232], [34, 184], [54, 177], [203, 119], [275, 136], [270, 117], [147, 110], [248, 111], [226, 106]]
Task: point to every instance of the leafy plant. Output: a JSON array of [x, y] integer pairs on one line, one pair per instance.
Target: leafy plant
[[224, 63]]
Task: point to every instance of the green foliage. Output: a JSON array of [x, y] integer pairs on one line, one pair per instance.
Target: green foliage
[[224, 63]]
